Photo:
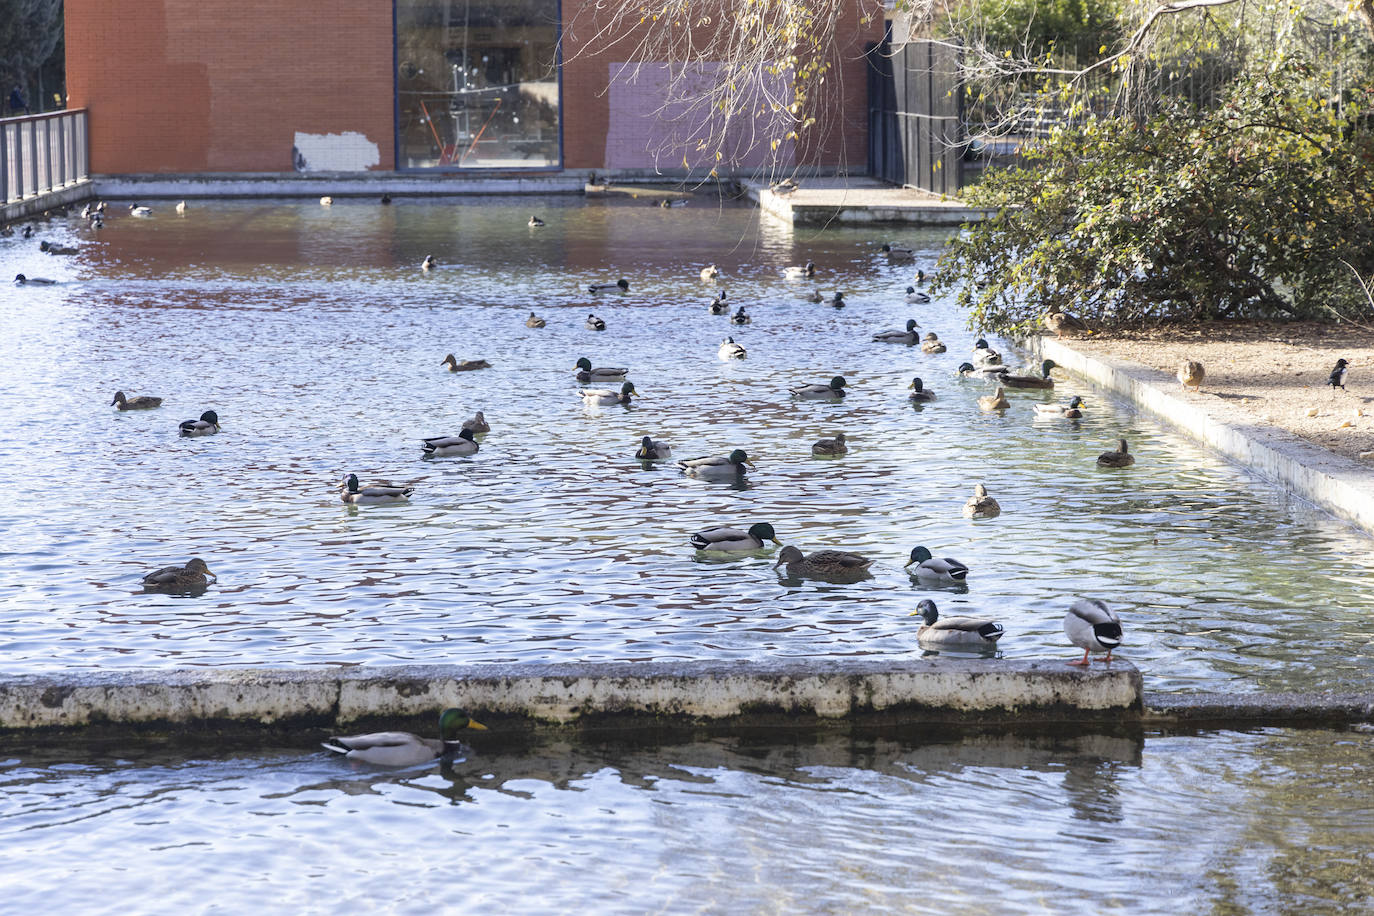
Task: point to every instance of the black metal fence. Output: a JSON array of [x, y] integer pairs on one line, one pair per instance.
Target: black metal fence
[[41, 153], [915, 124]]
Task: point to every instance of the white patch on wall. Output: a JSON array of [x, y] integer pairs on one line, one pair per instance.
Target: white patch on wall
[[346, 152]]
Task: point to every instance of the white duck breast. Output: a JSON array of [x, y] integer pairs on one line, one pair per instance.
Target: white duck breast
[[1092, 627], [731, 350]]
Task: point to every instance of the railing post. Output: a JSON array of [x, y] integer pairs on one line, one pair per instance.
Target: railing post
[[4, 163], [33, 155], [47, 153], [62, 151]]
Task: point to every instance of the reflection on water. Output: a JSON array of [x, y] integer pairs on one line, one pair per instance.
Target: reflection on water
[[317, 340], [1270, 822]]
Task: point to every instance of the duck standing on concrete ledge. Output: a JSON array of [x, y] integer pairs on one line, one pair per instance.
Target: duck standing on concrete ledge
[[1093, 627]]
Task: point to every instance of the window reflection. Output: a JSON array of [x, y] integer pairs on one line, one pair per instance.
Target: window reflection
[[477, 83]]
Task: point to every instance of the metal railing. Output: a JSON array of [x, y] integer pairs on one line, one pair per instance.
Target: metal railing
[[42, 153]]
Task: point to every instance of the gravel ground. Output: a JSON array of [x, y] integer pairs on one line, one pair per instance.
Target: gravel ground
[[1266, 372]]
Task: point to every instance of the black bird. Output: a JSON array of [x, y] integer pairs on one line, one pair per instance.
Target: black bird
[[1337, 377]]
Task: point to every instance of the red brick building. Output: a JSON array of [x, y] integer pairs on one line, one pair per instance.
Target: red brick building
[[196, 86]]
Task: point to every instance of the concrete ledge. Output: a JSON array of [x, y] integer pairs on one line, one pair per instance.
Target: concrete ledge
[[922, 690], [861, 201], [1246, 710], [1339, 485], [19, 209]]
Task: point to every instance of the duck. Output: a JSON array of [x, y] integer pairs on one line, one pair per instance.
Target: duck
[[1336, 379], [996, 401], [981, 505], [835, 446], [1063, 324], [535, 222], [1190, 374], [1119, 458], [837, 300], [800, 273], [21, 280], [179, 578], [595, 324], [717, 467], [592, 396], [180, 208], [719, 306], [731, 350], [1092, 627], [920, 277], [374, 494], [908, 337], [784, 187], [402, 749], [832, 565], [966, 370], [478, 424], [50, 248], [385, 200], [916, 297], [142, 402], [207, 425], [1042, 380], [955, 632], [710, 272], [813, 296], [899, 253], [944, 571], [1071, 411], [668, 203], [649, 450], [734, 540], [832, 391], [740, 317], [326, 201], [621, 285], [534, 321], [919, 392], [440, 446], [141, 211], [984, 356], [464, 365], [933, 344], [585, 373], [428, 263]]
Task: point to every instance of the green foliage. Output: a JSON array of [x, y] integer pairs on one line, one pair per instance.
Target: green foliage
[[1243, 210], [1039, 27]]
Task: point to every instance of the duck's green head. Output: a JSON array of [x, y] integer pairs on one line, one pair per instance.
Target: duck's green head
[[210, 417], [623, 284], [584, 364], [789, 555], [1046, 366], [628, 389], [918, 555], [466, 434], [916, 384], [452, 721], [910, 290], [739, 457], [911, 325], [981, 344], [927, 611], [1076, 402], [646, 443], [764, 532], [965, 368], [351, 483], [837, 383], [920, 276]]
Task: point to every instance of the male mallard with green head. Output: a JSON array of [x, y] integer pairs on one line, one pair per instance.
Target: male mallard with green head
[[401, 749]]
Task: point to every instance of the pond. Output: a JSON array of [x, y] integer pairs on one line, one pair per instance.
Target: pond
[[316, 338]]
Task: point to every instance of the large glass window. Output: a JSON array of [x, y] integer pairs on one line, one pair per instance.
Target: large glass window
[[477, 83]]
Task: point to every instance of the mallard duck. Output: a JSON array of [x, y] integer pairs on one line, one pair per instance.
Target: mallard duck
[[784, 187], [50, 248], [932, 344], [919, 392], [595, 324], [831, 565], [441, 446], [731, 350], [981, 505], [21, 280], [837, 300], [966, 370], [181, 207], [140, 211], [833, 391], [920, 277], [585, 372], [813, 296], [179, 578], [719, 306], [621, 285], [535, 223], [1093, 627], [996, 401], [478, 424], [142, 402], [374, 494], [593, 396], [1119, 458], [1336, 379], [1190, 374], [908, 337], [734, 540], [916, 297], [899, 253], [833, 446], [326, 201], [955, 632], [207, 425], [800, 273], [740, 317], [428, 263], [649, 450], [464, 365], [1042, 380], [402, 749], [1060, 411], [534, 321], [984, 355], [717, 467], [945, 571], [668, 203], [709, 273], [1063, 324]]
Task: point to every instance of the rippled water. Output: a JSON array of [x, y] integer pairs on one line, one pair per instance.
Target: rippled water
[[317, 340], [1270, 822]]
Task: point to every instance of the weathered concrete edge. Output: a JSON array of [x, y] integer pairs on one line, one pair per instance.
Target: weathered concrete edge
[[922, 690], [1339, 485], [1247, 709], [60, 197], [947, 214]]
